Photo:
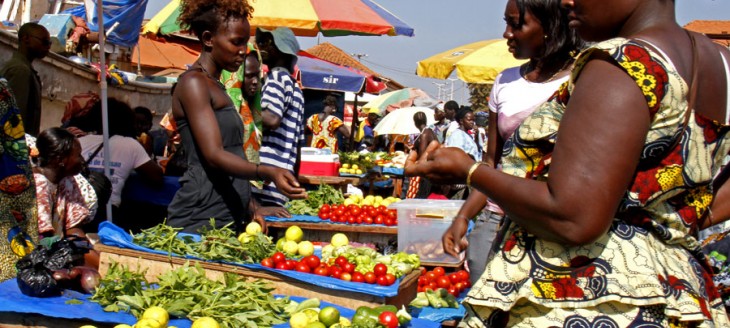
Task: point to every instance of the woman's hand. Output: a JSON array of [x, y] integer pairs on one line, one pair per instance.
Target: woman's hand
[[277, 211], [284, 181], [453, 239], [442, 165]]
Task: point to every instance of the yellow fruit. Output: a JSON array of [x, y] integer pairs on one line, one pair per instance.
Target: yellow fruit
[[122, 325], [312, 314], [329, 316], [298, 320], [87, 326], [149, 323], [244, 238], [339, 239], [344, 322], [346, 166], [158, 314], [371, 198], [305, 248], [253, 228], [291, 247], [205, 322], [280, 244], [343, 170], [348, 202], [358, 171], [385, 203], [316, 324], [294, 233], [355, 166]]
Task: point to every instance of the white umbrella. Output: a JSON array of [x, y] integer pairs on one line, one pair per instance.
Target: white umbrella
[[400, 121]]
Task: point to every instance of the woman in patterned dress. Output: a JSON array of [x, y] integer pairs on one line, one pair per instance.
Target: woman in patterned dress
[[602, 214], [325, 126]]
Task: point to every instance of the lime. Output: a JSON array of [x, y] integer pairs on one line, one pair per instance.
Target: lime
[[329, 316], [306, 248], [339, 239], [344, 322], [158, 314], [253, 228], [244, 238], [205, 322], [148, 323], [298, 320], [294, 233], [280, 244], [291, 247]]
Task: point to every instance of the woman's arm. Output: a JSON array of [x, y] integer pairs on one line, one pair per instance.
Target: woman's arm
[[600, 140], [342, 129], [494, 141]]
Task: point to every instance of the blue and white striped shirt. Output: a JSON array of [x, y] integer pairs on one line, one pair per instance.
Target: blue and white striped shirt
[[282, 97]]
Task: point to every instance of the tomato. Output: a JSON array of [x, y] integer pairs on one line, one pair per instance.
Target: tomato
[[351, 219], [382, 209], [358, 220], [390, 278], [358, 277], [303, 267], [463, 275], [378, 219], [454, 277], [422, 270], [420, 289], [388, 221], [370, 277], [325, 207], [267, 262], [281, 266], [393, 213], [432, 286], [324, 215], [372, 212], [340, 261], [312, 261], [381, 280], [355, 211], [348, 267], [335, 272], [322, 270], [453, 291], [278, 257], [439, 271], [367, 219], [430, 276], [291, 264], [380, 269], [339, 212], [388, 319], [422, 281], [443, 282], [467, 283], [460, 286], [346, 276]]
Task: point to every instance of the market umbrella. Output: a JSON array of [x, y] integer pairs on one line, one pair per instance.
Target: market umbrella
[[477, 62], [400, 121], [399, 99], [304, 17]]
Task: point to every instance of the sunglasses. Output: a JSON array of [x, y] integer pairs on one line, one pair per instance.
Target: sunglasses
[[46, 42]]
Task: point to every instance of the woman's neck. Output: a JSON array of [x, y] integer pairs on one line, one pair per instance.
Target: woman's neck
[[51, 174], [208, 65], [543, 71]]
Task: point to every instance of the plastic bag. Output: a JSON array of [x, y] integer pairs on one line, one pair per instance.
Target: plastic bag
[[35, 270]]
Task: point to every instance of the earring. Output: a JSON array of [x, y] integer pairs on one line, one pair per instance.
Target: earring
[[241, 53], [545, 36]]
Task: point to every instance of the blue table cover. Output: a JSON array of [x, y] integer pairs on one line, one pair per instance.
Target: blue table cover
[[112, 235], [12, 300]]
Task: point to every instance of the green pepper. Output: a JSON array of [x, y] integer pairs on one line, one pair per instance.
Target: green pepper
[[385, 308]]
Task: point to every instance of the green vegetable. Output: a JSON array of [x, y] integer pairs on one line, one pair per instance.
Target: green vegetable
[[403, 316], [420, 301], [308, 304], [434, 300], [325, 194], [385, 308]]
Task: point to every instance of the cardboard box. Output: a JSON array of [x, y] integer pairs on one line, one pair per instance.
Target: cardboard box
[[421, 223]]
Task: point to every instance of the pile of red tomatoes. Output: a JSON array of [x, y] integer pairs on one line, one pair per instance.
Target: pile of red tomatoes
[[340, 268], [454, 283], [356, 214]]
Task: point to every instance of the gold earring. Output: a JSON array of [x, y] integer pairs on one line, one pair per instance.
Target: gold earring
[[241, 53]]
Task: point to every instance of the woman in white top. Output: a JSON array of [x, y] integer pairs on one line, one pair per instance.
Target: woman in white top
[[538, 31]]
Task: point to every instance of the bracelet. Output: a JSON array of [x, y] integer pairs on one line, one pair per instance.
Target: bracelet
[[472, 169], [258, 177]]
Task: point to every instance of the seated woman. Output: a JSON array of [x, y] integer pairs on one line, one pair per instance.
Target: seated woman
[[65, 199]]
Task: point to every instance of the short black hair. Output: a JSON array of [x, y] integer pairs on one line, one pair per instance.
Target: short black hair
[[27, 28], [419, 118], [144, 111], [54, 144], [463, 110], [121, 118], [451, 104]]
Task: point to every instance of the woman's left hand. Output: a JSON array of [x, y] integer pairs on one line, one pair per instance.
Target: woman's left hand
[[442, 165]]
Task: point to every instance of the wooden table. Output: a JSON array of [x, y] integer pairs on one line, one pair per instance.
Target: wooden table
[[322, 231], [341, 182]]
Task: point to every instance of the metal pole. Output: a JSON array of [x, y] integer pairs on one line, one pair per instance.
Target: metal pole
[[103, 96]]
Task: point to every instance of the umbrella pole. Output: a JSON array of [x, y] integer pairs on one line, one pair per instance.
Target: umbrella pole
[[103, 96], [355, 124]]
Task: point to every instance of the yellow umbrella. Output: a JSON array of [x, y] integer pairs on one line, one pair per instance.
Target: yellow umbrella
[[477, 62]]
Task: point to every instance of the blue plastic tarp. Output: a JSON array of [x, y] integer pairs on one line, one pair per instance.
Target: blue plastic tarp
[[128, 13], [322, 75], [112, 235], [12, 300]]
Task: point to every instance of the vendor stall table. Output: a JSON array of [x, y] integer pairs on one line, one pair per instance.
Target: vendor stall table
[[341, 182], [320, 230], [156, 264]]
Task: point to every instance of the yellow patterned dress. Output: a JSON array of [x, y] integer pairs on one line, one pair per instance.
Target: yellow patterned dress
[[647, 270], [324, 133], [18, 223]]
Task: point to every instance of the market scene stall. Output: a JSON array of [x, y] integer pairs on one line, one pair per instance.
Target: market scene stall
[[190, 163]]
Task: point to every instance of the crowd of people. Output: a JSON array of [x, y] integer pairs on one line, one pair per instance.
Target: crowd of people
[[601, 160]]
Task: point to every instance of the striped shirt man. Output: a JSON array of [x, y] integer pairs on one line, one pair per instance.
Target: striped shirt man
[[282, 97]]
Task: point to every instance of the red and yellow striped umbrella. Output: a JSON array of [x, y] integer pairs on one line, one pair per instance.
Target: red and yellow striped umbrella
[[304, 17]]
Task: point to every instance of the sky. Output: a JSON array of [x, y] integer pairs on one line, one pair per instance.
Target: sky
[[441, 25]]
